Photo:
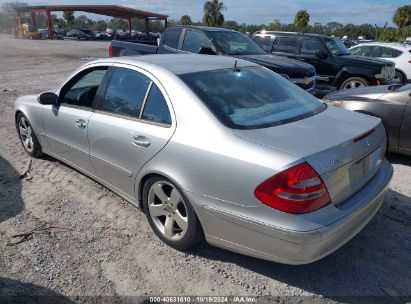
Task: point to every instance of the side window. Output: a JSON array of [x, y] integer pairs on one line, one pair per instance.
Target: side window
[[171, 37], [383, 52], [309, 46], [361, 51], [194, 40], [287, 45], [396, 53], [82, 90], [264, 42], [156, 108], [126, 92]]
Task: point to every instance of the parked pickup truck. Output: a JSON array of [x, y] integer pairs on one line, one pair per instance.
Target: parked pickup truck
[[336, 68], [218, 41]]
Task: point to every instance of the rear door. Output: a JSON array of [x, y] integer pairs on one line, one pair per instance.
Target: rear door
[[405, 132], [66, 123], [133, 123]]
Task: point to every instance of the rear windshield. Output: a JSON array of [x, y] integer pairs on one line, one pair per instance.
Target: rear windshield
[[252, 97]]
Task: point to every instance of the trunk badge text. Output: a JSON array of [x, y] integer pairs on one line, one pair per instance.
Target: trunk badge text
[[329, 164]]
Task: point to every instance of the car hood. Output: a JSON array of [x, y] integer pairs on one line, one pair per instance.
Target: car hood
[[362, 60], [373, 92], [291, 67]]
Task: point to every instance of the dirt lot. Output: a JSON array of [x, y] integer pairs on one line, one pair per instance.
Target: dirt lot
[[108, 248]]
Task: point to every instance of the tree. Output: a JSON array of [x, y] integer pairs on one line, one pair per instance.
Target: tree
[[212, 13], [59, 22], [186, 20], [402, 17], [231, 25], [301, 20], [69, 17]]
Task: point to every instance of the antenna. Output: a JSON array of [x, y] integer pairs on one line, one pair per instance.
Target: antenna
[[235, 68]]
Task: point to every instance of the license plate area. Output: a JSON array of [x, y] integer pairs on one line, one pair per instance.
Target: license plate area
[[361, 170]]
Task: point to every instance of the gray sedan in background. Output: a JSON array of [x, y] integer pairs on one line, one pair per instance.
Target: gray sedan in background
[[217, 148], [390, 103]]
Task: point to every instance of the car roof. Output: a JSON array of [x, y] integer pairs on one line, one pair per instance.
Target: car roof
[[182, 63], [290, 33], [204, 28], [394, 45]]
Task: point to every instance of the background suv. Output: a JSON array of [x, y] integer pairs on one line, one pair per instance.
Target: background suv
[[398, 53], [336, 67]]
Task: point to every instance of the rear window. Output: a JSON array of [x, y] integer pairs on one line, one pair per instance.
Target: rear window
[[252, 97]]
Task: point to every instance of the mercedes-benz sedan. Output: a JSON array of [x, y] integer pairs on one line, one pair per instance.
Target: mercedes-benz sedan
[[216, 148]]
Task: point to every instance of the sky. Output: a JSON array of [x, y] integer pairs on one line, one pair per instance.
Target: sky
[[260, 11]]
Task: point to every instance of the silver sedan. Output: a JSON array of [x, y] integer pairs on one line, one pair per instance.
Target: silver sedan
[[217, 148]]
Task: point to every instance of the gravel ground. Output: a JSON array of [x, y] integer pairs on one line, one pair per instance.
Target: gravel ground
[[107, 248]]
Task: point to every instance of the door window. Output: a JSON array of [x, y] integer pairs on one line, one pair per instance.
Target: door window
[[156, 109], [382, 52], [309, 47], [361, 51], [286, 45], [265, 42], [172, 37], [126, 92], [193, 41], [83, 88]]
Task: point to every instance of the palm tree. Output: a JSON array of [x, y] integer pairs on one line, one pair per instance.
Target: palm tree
[[212, 13], [402, 17], [186, 20], [69, 17], [301, 20]]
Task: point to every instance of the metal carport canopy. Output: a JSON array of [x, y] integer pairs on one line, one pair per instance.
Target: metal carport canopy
[[107, 10]]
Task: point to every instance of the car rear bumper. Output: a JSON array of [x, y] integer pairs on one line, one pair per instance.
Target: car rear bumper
[[252, 237]]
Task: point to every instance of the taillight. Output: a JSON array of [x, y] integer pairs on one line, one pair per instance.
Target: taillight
[[298, 189], [110, 51]]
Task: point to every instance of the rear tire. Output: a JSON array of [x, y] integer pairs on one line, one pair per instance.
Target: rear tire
[[354, 82], [27, 136], [170, 214]]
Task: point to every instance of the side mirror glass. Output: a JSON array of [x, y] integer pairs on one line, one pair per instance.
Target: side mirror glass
[[47, 98], [204, 50], [320, 54]]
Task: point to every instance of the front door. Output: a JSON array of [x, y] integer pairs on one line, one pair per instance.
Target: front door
[[66, 123], [131, 126]]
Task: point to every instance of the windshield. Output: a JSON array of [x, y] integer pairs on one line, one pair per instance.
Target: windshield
[[234, 43], [252, 97], [335, 46]]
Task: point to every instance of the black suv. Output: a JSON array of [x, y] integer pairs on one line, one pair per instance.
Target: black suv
[[336, 67]]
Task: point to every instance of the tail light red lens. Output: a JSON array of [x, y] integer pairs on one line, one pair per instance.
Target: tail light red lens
[[298, 189], [110, 51]]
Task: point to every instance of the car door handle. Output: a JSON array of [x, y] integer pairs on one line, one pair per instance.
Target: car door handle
[[140, 141], [80, 123]]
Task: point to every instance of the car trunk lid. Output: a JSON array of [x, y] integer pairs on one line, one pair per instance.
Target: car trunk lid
[[345, 148]]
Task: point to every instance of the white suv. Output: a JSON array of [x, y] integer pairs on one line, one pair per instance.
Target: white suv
[[400, 54]]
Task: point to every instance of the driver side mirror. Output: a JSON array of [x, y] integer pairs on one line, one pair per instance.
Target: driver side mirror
[[47, 98], [320, 54], [204, 50]]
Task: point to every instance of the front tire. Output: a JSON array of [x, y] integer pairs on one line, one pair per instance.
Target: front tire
[[170, 214], [27, 136], [354, 82], [400, 77]]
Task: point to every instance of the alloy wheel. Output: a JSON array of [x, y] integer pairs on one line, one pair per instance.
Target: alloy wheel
[[26, 135], [167, 210], [353, 84]]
